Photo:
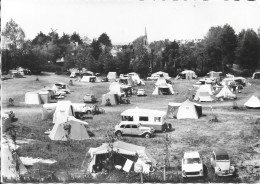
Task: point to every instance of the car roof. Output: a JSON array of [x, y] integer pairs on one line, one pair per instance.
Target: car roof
[[191, 154], [221, 152]]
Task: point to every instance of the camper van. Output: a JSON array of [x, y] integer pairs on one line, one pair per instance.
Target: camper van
[[147, 117]]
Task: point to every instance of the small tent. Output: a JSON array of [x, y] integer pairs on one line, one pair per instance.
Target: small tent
[[111, 97], [11, 165], [189, 110], [127, 81], [115, 87], [112, 76], [256, 75], [163, 89], [32, 98], [48, 110], [253, 102], [62, 111], [203, 94], [127, 156], [226, 93], [72, 128], [88, 79]]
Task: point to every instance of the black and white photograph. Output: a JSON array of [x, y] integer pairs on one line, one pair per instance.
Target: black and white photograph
[[130, 91]]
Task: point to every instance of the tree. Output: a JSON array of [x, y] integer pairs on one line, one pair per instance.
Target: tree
[[105, 40], [41, 39], [76, 38], [247, 52], [96, 49]]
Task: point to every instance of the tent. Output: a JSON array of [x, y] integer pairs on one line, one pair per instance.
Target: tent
[[112, 97], [63, 87], [127, 81], [229, 80], [112, 76], [163, 89], [204, 94], [161, 74], [189, 110], [226, 93], [62, 111], [213, 74], [128, 156], [160, 81], [88, 79], [11, 165], [48, 110], [253, 102], [256, 75], [115, 87], [172, 109], [72, 128], [187, 74], [32, 98]]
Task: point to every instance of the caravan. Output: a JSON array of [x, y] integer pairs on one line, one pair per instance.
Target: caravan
[[146, 117]]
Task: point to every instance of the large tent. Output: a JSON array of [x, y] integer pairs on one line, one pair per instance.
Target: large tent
[[256, 75], [112, 76], [71, 129], [11, 165], [32, 98], [163, 89], [226, 93], [161, 74], [115, 87], [204, 93], [189, 110], [127, 80], [88, 79], [125, 155], [62, 111], [187, 74], [160, 81], [111, 97], [253, 102]]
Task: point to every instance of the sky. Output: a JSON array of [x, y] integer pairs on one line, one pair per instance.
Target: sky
[[126, 20]]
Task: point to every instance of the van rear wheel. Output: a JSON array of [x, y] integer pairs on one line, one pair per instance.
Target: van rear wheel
[[147, 135], [118, 134]]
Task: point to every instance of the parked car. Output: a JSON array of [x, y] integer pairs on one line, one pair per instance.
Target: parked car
[[105, 79], [192, 165], [220, 161], [133, 129], [141, 92], [89, 98]]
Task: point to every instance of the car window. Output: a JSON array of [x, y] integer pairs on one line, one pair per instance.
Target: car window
[[122, 126], [157, 119], [192, 161], [223, 157], [134, 126], [127, 126]]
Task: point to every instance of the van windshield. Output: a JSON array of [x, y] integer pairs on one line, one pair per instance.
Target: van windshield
[[192, 161]]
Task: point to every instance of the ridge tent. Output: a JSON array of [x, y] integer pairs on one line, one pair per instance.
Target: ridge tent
[[163, 89], [112, 97], [203, 94], [11, 165], [189, 110], [226, 93], [32, 97], [253, 102], [88, 79], [72, 128], [112, 76], [256, 75], [124, 153], [62, 111]]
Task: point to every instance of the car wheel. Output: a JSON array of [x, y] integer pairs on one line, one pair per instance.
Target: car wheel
[[80, 116], [169, 126], [88, 112], [147, 135], [118, 134]]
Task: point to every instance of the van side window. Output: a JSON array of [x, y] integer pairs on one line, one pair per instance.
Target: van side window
[[127, 118], [122, 126], [157, 119], [143, 118]]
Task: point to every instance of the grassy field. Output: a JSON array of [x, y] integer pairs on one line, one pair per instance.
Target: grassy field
[[235, 130]]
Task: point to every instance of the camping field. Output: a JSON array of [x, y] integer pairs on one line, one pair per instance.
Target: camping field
[[227, 125]]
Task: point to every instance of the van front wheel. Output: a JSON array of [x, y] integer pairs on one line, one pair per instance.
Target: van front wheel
[[147, 135]]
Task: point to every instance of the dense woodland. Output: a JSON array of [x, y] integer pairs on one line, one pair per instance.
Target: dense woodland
[[219, 50]]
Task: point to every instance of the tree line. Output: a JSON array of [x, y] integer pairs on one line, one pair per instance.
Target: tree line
[[220, 50]]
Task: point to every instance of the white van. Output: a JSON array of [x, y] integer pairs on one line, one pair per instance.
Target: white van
[[147, 117]]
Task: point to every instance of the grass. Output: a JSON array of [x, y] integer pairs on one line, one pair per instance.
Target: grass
[[232, 131]]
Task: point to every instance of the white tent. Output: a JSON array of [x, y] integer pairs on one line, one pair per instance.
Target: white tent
[[88, 79], [115, 87], [253, 102], [213, 74], [11, 165], [160, 81], [62, 111], [32, 98], [136, 78], [256, 75], [187, 74], [226, 93], [161, 74], [189, 110], [123, 150], [163, 89], [71, 129], [204, 94], [112, 76]]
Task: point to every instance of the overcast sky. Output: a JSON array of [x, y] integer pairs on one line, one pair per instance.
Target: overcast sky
[[125, 20]]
